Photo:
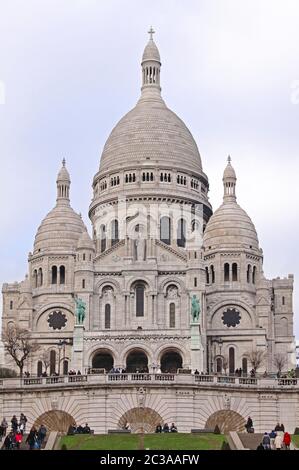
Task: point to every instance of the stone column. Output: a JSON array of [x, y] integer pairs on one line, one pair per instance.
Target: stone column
[[197, 361], [78, 347]]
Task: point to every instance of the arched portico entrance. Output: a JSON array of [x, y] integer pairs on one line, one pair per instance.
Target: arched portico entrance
[[171, 361], [141, 420], [137, 361], [226, 420], [103, 359], [55, 420]]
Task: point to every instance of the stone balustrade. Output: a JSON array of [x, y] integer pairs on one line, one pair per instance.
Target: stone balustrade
[[117, 378]]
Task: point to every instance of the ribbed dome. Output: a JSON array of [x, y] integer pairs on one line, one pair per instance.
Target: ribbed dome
[[229, 172], [151, 52], [59, 231], [230, 227], [151, 133], [63, 175]]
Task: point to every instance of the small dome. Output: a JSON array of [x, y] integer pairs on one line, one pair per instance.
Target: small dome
[[63, 174], [230, 227], [229, 172], [85, 242], [61, 228], [59, 231], [151, 52]]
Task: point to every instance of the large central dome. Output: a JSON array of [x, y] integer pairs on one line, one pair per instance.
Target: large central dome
[[151, 132]]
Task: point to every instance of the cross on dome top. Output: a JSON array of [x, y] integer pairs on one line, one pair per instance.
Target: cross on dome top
[[151, 32]]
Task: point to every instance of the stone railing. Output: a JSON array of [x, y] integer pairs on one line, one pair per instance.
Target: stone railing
[[77, 378], [287, 381], [248, 381], [157, 378], [204, 378], [141, 377], [226, 380]]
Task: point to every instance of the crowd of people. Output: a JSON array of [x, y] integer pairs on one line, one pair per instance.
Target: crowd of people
[[166, 428], [55, 374], [277, 439], [73, 429], [14, 438]]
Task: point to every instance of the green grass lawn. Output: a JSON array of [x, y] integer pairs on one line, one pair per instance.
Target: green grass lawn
[[295, 440], [177, 441]]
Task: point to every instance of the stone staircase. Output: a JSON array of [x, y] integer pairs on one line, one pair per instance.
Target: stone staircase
[[250, 440]]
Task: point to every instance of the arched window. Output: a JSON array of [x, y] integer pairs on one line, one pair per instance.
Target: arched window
[[139, 290], [235, 271], [172, 315], [207, 276], [107, 316], [35, 278], [83, 283], [244, 366], [284, 327], [194, 225], [226, 272], [39, 368], [219, 365], [11, 305], [165, 230], [103, 238], [212, 274], [65, 367], [40, 277], [253, 274], [181, 233], [195, 282], [52, 361], [114, 232], [54, 275], [231, 360], [248, 273], [62, 274], [83, 256], [283, 300]]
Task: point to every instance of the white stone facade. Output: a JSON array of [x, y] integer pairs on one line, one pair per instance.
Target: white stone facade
[[107, 404], [154, 244]]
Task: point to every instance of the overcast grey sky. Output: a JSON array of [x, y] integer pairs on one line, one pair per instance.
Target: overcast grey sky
[[70, 69]]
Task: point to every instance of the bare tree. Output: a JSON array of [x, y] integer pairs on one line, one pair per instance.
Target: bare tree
[[18, 345], [46, 360], [225, 363], [256, 358], [280, 360]]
